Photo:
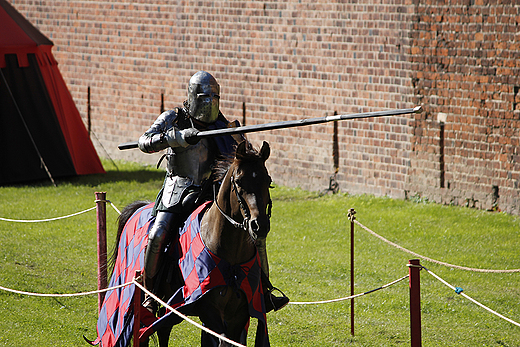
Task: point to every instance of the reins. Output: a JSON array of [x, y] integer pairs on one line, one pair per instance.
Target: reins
[[243, 206], [244, 225]]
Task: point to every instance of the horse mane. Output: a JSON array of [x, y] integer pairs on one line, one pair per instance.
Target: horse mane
[[222, 165]]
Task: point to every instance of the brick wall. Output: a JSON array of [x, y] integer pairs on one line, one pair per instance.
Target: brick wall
[[302, 59], [466, 71]]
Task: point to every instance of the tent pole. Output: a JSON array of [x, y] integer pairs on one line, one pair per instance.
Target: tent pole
[[88, 111]]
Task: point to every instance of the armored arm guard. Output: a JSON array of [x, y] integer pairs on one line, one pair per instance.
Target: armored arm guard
[[151, 143], [162, 134]]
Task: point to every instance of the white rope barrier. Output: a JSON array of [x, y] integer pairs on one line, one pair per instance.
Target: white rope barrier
[[458, 290], [134, 281], [126, 284], [111, 288], [186, 318], [63, 295], [430, 259], [45, 220], [110, 202], [114, 207], [349, 297], [58, 218]]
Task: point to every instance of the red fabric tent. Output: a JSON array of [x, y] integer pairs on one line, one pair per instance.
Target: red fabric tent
[[45, 133]]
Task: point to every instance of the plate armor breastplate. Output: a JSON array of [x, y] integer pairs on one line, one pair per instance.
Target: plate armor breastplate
[[193, 162]]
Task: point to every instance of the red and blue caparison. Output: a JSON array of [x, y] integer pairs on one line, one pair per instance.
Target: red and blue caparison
[[202, 271]]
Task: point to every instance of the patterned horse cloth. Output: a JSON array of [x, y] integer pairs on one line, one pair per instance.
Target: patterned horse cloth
[[115, 320], [201, 270]]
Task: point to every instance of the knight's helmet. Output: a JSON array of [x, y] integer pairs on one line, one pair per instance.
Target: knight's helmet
[[203, 97]]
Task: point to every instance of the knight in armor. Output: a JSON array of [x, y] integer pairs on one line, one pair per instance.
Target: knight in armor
[[189, 164]]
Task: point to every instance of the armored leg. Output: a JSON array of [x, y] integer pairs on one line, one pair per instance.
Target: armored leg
[[157, 240], [271, 301]]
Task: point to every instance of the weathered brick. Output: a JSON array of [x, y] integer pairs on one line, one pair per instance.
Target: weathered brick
[[302, 59]]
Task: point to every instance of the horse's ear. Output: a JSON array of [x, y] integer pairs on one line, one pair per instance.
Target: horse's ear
[[265, 151], [241, 150]]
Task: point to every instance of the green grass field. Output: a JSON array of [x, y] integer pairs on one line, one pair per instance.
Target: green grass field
[[309, 253]]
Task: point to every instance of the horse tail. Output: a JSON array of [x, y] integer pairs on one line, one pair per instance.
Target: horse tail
[[123, 218]]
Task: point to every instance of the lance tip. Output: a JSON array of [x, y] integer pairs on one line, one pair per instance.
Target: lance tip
[[417, 109]]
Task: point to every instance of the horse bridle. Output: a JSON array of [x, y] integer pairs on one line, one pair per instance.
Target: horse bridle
[[245, 210]]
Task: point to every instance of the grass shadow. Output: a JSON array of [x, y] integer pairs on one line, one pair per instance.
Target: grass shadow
[[139, 176], [123, 172]]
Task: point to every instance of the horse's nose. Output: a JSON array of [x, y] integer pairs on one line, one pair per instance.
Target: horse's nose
[[259, 228], [254, 226]]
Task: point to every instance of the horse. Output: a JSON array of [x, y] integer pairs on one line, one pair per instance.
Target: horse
[[229, 226]]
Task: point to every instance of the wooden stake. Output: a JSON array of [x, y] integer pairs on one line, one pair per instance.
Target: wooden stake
[[415, 302], [137, 311], [101, 217], [351, 216]]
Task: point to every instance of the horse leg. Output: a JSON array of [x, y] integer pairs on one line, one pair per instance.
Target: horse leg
[[226, 317], [237, 332], [236, 329], [210, 317], [164, 336], [209, 340]]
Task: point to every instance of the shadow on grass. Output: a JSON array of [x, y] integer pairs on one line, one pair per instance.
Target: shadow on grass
[[140, 176], [125, 175]]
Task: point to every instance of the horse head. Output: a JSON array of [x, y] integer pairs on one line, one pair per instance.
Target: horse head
[[243, 204], [250, 183]]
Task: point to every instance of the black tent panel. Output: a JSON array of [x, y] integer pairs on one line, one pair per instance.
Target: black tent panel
[[25, 100]]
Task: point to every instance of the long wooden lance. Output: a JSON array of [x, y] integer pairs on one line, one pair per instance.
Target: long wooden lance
[[289, 124]]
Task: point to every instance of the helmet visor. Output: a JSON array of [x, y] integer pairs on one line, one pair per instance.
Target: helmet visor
[[203, 97]]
